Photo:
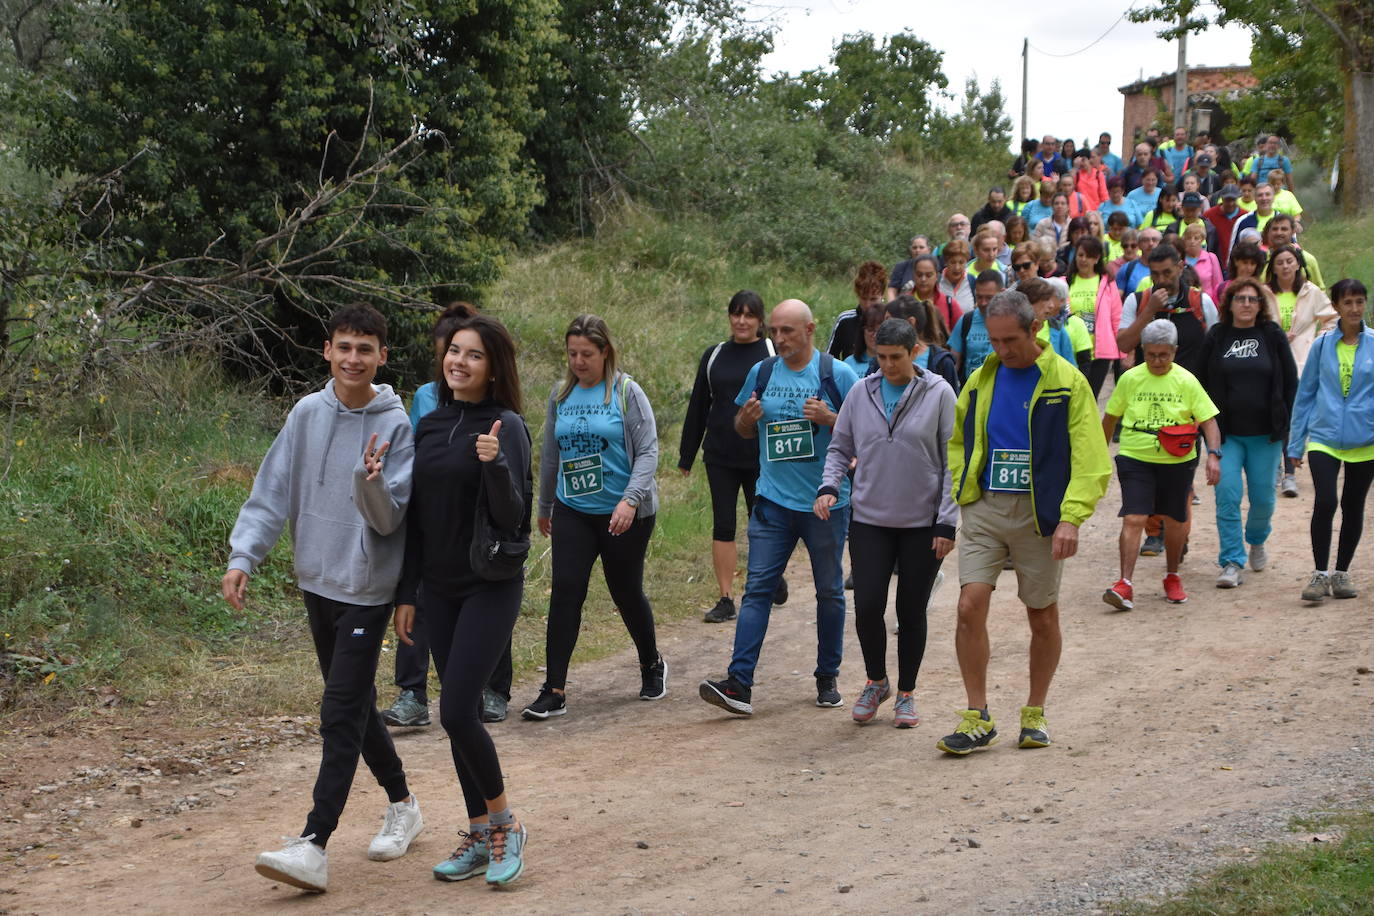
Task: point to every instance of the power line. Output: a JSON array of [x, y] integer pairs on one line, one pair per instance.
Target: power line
[[1110, 28]]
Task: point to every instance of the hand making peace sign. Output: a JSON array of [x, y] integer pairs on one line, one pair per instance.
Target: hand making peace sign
[[372, 457]]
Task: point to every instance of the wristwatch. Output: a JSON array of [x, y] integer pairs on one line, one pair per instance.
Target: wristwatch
[[1214, 451]]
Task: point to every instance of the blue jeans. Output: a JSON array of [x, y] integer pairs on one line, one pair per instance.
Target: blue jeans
[[773, 534], [1259, 459]]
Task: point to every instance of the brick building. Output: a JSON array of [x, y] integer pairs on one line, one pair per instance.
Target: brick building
[[1209, 88]]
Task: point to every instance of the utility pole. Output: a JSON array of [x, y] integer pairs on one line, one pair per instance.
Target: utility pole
[[1181, 78], [1025, 79]]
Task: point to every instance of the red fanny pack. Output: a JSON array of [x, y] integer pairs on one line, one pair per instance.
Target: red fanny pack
[[1177, 440]]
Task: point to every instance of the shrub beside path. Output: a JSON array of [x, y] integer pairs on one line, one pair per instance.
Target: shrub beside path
[[1185, 737]]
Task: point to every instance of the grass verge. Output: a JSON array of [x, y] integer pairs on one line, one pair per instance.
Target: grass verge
[[1327, 877]]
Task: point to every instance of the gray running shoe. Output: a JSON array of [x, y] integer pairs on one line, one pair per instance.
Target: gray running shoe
[[407, 711], [1259, 557], [870, 698], [493, 706], [1230, 576], [1341, 586], [826, 693], [904, 713], [1153, 546], [1288, 485], [1318, 587]]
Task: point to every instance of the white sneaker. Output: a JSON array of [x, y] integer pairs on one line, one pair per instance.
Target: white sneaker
[[403, 823], [1259, 557], [1230, 576], [1288, 485], [299, 863]]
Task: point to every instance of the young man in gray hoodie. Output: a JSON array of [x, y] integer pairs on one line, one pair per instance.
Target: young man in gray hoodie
[[339, 473]]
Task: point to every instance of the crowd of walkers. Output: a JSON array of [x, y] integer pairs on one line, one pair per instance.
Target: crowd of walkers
[[957, 403]]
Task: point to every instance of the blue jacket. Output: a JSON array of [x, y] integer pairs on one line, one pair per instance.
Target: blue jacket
[[1321, 413]]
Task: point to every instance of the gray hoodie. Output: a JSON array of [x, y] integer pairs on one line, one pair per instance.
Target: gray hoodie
[[902, 479], [347, 531]]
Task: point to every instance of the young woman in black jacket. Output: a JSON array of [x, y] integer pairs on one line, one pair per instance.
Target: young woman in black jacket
[[732, 463], [1248, 370], [476, 441]]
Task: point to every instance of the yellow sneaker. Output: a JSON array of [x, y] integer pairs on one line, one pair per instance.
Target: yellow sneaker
[[1035, 731]]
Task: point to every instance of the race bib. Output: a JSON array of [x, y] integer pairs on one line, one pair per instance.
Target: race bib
[[788, 440], [1089, 319], [582, 476], [1010, 470]]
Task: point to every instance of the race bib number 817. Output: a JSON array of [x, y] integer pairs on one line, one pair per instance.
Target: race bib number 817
[[788, 440]]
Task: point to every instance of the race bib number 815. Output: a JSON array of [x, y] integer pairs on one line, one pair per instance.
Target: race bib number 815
[[1010, 470]]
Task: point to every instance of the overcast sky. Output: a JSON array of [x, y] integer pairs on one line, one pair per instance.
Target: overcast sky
[[1073, 96]]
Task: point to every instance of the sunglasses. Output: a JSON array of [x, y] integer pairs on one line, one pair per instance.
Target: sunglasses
[[1023, 265], [1243, 298]]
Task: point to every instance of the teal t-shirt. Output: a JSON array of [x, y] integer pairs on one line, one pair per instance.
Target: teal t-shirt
[[860, 366], [977, 341], [891, 395], [791, 449], [922, 360], [593, 466], [426, 401]]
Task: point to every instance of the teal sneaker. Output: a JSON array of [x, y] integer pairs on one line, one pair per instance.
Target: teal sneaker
[[507, 849], [470, 858]]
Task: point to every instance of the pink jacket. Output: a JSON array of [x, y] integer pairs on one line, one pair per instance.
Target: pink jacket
[[1092, 185], [1107, 321], [1209, 275]]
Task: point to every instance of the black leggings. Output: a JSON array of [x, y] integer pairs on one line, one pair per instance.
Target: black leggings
[[1097, 373], [1358, 476], [578, 539], [468, 635], [412, 663], [726, 484], [873, 553]]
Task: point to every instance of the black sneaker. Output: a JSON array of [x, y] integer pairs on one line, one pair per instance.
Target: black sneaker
[[826, 694], [849, 583], [780, 593], [548, 704], [729, 694], [653, 680], [723, 611], [1152, 547], [493, 706]]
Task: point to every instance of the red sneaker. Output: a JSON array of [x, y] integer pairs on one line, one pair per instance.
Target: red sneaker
[[1173, 589], [1120, 596]]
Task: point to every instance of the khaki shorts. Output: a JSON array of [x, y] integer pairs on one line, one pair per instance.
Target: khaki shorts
[[1002, 524]]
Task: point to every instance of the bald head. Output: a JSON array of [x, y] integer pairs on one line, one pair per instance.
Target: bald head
[[792, 328]]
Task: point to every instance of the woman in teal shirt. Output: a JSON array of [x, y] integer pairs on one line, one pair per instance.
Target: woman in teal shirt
[[597, 498]]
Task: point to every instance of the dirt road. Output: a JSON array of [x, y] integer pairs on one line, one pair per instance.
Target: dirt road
[[1183, 736]]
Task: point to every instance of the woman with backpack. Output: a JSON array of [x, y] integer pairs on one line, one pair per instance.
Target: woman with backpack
[[597, 498], [732, 462]]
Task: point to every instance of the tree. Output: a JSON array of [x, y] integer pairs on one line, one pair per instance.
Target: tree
[[1310, 29], [878, 90], [219, 119], [605, 52]]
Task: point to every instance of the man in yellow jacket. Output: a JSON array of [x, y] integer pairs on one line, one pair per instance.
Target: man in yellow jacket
[[1028, 465]]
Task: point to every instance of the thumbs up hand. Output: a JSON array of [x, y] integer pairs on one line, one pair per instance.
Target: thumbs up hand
[[488, 444]]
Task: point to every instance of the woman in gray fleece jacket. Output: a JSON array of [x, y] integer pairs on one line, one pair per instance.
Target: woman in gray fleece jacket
[[896, 423]]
